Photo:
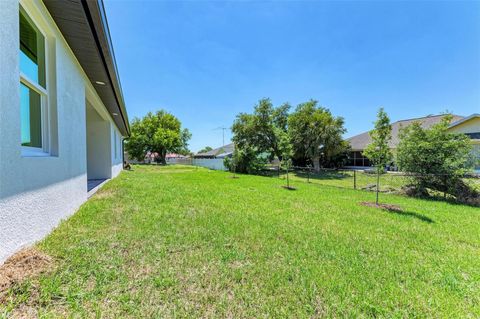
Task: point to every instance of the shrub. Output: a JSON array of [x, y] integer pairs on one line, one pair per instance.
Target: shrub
[[245, 160], [437, 158]]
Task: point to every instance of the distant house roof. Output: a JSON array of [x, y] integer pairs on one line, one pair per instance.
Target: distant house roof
[[464, 119], [223, 155], [174, 155], [216, 152], [360, 141]]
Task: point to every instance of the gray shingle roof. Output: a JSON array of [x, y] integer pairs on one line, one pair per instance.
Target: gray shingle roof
[[217, 151], [360, 141]]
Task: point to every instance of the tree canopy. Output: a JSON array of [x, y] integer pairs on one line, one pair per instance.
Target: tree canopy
[[262, 129], [205, 149], [378, 152], [437, 157], [316, 134], [434, 150], [160, 133], [311, 132]]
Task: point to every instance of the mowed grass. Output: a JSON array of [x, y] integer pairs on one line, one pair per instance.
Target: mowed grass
[[177, 241]]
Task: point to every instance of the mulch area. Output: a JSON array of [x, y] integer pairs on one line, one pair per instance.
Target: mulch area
[[388, 207], [25, 264]]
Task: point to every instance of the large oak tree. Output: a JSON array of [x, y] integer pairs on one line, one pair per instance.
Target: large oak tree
[[263, 129], [316, 134], [160, 133]]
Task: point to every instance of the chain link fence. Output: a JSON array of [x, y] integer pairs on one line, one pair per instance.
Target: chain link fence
[[389, 182]]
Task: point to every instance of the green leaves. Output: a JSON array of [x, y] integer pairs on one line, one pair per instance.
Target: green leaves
[[379, 151], [310, 133], [205, 149], [261, 130], [316, 134], [434, 150], [157, 133], [439, 159]]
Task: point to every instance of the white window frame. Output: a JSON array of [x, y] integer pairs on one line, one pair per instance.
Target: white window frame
[[29, 151]]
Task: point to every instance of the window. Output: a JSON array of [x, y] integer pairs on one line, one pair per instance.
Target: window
[[33, 86], [356, 158]]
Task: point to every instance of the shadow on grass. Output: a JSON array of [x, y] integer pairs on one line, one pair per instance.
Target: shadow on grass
[[411, 214], [395, 209], [449, 200]]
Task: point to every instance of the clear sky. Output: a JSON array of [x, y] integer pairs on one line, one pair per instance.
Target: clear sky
[[206, 61]]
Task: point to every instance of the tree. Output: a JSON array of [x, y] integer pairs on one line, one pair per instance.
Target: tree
[[286, 150], [205, 149], [245, 160], [259, 131], [157, 133], [437, 158], [378, 152], [316, 135]]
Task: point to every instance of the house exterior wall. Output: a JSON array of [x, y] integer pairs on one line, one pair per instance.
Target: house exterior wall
[[117, 151], [98, 139], [36, 193], [469, 127]]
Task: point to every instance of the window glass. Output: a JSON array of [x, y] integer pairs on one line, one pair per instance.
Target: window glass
[[31, 117], [32, 51]]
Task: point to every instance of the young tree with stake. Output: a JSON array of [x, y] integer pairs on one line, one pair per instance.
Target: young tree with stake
[[286, 151], [378, 152]]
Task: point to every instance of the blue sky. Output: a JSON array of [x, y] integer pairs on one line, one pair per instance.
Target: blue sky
[[206, 61]]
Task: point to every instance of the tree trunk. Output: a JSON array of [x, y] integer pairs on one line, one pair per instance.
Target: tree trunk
[[316, 163], [161, 157]]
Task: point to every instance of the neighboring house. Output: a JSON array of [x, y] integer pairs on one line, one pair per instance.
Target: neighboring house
[[151, 157], [468, 125], [62, 114], [170, 156], [221, 152], [173, 158], [214, 159]]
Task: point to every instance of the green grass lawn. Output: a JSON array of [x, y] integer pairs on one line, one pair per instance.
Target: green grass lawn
[[183, 242]]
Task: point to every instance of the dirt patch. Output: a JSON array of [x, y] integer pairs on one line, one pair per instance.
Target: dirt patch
[[388, 207], [25, 264], [290, 188]]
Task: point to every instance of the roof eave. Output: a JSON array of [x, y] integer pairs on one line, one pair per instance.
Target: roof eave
[[99, 19], [463, 120], [84, 26]]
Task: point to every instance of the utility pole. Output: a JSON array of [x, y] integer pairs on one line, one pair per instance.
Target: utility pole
[[223, 133]]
